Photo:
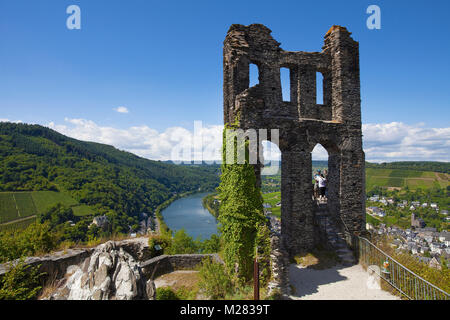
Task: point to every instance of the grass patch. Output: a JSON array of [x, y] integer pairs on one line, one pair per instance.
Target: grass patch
[[45, 199], [317, 259], [82, 210], [177, 285]]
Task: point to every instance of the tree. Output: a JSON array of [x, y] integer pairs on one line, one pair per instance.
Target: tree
[[56, 215], [182, 243], [214, 280]]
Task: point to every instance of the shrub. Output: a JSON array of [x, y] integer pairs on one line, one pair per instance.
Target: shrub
[[211, 245], [21, 282], [214, 280], [164, 241], [166, 293], [36, 238], [182, 243]]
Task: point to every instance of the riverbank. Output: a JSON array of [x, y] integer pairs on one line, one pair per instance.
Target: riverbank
[[161, 224], [209, 203], [186, 211]]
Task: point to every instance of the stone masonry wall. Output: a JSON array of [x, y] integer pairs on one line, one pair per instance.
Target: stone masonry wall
[[302, 123], [160, 265]]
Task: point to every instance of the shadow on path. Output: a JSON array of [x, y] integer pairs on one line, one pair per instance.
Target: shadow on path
[[306, 281]]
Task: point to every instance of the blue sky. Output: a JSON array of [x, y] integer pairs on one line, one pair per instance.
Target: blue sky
[[162, 61]]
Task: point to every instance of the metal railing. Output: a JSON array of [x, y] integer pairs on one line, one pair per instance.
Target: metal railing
[[409, 284], [401, 278]]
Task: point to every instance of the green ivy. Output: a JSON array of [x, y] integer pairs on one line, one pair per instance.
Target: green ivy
[[240, 213]]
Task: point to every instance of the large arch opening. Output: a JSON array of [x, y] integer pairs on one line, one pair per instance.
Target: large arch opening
[[327, 159], [271, 180], [319, 169]]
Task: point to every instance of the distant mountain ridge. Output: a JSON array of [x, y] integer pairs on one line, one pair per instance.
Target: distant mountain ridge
[[33, 157]]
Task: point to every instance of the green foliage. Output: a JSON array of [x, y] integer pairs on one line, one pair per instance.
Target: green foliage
[[182, 293], [17, 225], [25, 204], [373, 221], [36, 238], [166, 293], [240, 212], [56, 215], [402, 216], [8, 210], [46, 199], [264, 249], [21, 282], [182, 243], [413, 165], [211, 204], [211, 245], [107, 180], [214, 280], [164, 241], [440, 278], [84, 178]]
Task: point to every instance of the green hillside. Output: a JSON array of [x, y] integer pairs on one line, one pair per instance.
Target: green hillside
[[387, 175], [401, 178], [40, 168], [15, 206]]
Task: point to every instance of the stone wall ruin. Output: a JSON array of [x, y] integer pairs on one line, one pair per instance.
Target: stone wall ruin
[[302, 123]]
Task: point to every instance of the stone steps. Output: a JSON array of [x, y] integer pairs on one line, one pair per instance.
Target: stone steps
[[335, 238]]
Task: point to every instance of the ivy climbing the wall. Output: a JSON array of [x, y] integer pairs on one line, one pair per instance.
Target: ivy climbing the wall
[[241, 211]]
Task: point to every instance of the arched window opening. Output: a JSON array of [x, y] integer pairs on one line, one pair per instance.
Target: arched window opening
[[271, 180], [319, 168], [253, 74]]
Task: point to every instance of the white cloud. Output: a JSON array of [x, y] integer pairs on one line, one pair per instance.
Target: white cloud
[[145, 141], [121, 109], [7, 120], [382, 142], [397, 141]]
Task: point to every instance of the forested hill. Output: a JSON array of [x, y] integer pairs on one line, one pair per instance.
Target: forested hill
[[33, 157], [434, 166]]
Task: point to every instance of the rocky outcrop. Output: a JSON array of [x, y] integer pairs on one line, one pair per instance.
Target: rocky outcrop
[[109, 273]]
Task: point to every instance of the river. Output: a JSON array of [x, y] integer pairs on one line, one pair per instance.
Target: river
[[188, 213]]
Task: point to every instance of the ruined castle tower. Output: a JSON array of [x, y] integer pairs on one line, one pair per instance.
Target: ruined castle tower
[[302, 123]]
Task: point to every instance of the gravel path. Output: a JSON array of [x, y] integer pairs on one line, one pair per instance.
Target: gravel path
[[336, 283]]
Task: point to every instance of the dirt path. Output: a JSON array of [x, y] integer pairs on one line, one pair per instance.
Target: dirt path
[[336, 283]]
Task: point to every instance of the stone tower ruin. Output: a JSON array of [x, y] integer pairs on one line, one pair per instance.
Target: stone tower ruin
[[302, 123]]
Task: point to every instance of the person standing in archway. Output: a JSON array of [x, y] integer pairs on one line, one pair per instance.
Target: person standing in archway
[[322, 184]]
